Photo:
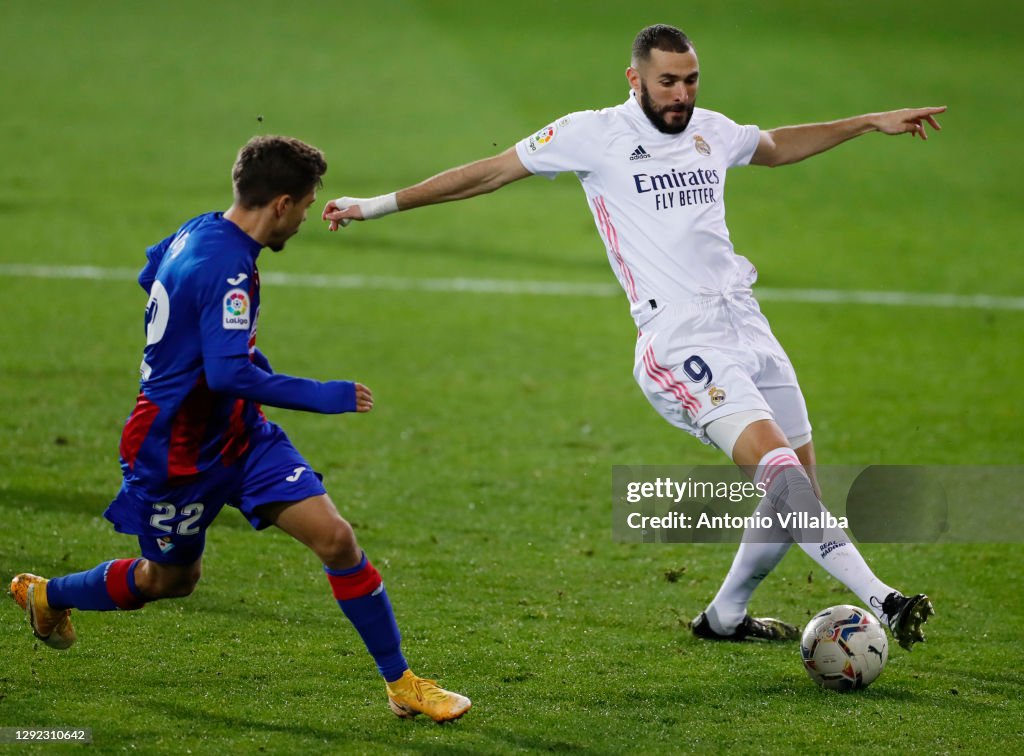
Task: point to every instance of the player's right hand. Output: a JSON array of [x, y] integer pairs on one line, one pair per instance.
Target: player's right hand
[[364, 398], [341, 212]]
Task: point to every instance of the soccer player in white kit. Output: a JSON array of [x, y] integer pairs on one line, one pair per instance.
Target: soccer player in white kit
[[653, 170]]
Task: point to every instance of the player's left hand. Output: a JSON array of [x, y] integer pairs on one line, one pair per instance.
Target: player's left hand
[[364, 398], [909, 121]]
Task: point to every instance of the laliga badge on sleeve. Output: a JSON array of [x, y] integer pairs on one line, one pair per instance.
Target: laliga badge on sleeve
[[542, 138], [236, 310]]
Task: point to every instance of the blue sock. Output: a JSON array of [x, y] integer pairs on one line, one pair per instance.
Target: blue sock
[[106, 587], [361, 596]]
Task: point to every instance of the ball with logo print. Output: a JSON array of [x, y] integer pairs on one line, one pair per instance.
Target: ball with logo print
[[844, 648]]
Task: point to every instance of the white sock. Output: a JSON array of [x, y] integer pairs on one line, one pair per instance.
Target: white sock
[[760, 551], [790, 492]]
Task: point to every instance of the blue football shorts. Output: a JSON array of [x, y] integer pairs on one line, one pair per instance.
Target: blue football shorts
[[171, 521]]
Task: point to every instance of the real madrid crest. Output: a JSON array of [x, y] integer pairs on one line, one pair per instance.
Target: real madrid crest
[[701, 146], [716, 394]]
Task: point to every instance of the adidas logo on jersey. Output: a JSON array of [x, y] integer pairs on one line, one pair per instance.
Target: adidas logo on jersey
[[639, 153]]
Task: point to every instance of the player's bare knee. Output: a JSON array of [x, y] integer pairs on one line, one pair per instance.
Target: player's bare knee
[[188, 581], [181, 590], [157, 581], [181, 585], [337, 547]]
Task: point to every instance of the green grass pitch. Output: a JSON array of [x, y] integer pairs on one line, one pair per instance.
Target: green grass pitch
[[480, 483]]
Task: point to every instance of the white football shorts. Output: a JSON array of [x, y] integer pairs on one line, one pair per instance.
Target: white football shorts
[[713, 357]]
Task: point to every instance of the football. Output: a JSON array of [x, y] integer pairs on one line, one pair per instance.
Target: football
[[844, 648]]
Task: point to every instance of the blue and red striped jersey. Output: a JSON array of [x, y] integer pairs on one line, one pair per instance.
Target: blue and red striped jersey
[[204, 299], [203, 379]]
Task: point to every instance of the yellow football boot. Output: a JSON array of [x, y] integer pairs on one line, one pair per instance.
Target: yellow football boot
[[51, 626], [410, 695]]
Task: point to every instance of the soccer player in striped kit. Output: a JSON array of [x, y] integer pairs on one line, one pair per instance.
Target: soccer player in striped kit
[[197, 438], [653, 170]]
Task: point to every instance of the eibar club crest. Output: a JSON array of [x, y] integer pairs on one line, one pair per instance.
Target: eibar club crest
[[701, 146]]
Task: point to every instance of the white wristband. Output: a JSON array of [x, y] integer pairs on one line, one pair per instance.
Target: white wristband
[[375, 207]]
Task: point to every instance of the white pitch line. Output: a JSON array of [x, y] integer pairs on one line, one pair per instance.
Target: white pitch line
[[540, 288], [890, 298]]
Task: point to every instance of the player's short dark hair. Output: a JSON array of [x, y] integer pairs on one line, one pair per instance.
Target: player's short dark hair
[[269, 166], [659, 37]]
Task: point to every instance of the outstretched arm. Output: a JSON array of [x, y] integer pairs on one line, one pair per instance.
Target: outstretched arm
[[239, 377], [790, 144], [454, 184]]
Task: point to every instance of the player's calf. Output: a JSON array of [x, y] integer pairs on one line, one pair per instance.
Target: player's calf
[[104, 588], [124, 584], [161, 581]]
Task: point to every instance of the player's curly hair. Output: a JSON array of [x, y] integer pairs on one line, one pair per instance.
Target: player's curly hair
[[659, 37], [269, 166]]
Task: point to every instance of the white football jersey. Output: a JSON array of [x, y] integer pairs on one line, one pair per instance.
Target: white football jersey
[[657, 199]]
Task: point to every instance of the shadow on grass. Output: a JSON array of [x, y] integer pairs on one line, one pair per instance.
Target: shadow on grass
[[876, 693], [344, 735], [201, 713], [532, 743]]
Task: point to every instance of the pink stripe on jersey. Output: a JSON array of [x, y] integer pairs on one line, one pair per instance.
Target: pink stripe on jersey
[[667, 381], [600, 221], [612, 237], [611, 226]]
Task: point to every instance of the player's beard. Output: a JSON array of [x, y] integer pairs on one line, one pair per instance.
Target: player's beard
[[656, 116]]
